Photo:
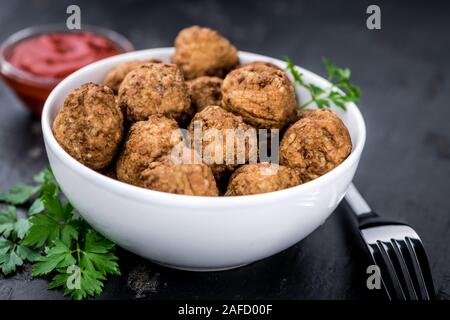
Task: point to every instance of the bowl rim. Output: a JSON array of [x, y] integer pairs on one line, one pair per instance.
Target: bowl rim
[[146, 195], [119, 40]]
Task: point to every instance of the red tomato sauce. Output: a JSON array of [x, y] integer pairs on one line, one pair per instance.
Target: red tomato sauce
[[48, 58], [56, 55]]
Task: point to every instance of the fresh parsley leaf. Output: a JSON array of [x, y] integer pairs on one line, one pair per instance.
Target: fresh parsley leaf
[[45, 176], [36, 207], [21, 227], [54, 223], [322, 103], [26, 253], [46, 229], [81, 271], [78, 257], [19, 194], [58, 256], [295, 74], [315, 90], [90, 283], [9, 259], [96, 254], [7, 220], [9, 223], [338, 94], [13, 254], [334, 72], [48, 189]]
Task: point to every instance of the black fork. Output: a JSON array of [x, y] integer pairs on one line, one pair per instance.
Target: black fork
[[396, 249]]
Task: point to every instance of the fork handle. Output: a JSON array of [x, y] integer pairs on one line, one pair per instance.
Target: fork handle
[[366, 217], [356, 202]]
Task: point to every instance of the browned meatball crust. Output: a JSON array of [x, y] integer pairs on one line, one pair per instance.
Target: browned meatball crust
[[204, 52], [264, 96], [180, 178], [261, 178], [147, 141], [115, 76], [261, 64], [89, 125], [215, 118], [154, 88], [315, 144], [205, 91]]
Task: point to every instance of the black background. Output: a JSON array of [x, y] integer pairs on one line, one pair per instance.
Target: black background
[[403, 70]]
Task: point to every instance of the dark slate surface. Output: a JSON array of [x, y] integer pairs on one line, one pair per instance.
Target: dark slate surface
[[403, 71]]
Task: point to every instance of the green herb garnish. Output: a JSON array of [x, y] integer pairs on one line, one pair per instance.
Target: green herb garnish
[[59, 242], [80, 267], [19, 194], [12, 251], [339, 93]]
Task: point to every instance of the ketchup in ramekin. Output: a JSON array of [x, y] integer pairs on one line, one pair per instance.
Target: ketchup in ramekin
[[33, 61]]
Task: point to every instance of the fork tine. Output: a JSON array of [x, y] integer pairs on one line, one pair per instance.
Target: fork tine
[[403, 258], [378, 261], [394, 268], [416, 275], [421, 268], [397, 250], [388, 274]]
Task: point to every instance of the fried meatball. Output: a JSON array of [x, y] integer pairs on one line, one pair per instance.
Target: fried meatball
[[180, 178], [89, 125], [155, 88], [261, 178], [147, 141], [205, 91], [264, 96], [315, 144], [114, 78], [204, 52], [262, 64], [209, 130]]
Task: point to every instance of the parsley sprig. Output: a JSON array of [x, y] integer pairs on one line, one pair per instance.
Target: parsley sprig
[[54, 238], [81, 267], [341, 92], [13, 252]]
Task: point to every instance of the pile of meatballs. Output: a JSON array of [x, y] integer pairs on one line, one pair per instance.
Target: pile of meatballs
[[124, 127]]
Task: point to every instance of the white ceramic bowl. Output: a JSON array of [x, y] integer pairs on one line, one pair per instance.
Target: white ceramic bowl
[[188, 232]]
